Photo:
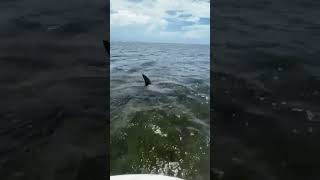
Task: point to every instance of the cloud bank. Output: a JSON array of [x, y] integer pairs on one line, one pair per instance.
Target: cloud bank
[[168, 21]]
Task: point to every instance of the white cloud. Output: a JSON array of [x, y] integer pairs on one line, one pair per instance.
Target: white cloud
[[147, 20], [126, 18], [197, 32]]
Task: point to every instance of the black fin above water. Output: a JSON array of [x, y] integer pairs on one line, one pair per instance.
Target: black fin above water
[[146, 80]]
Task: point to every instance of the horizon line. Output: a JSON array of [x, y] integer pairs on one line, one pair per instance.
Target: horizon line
[[155, 42]]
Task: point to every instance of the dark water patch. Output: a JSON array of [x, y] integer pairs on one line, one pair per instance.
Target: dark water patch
[[238, 19], [118, 102], [81, 81], [309, 4], [46, 12], [265, 124], [115, 56], [200, 110], [133, 70], [147, 64], [21, 24], [92, 62], [72, 28], [6, 1], [117, 69], [264, 131], [29, 62], [274, 61]]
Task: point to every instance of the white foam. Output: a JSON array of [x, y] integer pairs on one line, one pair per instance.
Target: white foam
[[157, 130]]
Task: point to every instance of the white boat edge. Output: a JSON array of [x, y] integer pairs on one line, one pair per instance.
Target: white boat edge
[[143, 177]]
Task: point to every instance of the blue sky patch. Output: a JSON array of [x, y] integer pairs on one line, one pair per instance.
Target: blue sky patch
[[177, 25], [203, 20]]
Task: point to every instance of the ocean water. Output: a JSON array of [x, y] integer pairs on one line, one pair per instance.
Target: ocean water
[[162, 128], [266, 89]]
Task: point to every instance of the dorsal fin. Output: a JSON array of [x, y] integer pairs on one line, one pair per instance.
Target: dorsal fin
[[146, 80]]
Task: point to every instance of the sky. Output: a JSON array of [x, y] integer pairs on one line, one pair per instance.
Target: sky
[[165, 21]]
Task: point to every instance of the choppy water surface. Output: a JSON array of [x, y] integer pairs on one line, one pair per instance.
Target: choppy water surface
[[162, 128]]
